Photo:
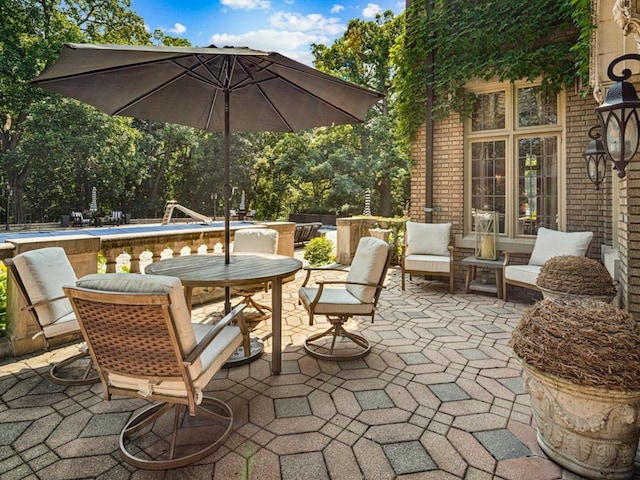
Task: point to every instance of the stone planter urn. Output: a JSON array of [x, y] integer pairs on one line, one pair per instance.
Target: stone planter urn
[[581, 368], [591, 431]]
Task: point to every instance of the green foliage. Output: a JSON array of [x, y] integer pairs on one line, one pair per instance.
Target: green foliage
[[457, 40], [3, 300], [318, 251]]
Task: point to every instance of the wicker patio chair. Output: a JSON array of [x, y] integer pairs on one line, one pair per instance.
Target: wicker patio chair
[[339, 300], [144, 345], [38, 276]]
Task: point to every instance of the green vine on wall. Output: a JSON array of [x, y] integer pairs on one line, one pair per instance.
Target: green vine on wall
[[484, 39]]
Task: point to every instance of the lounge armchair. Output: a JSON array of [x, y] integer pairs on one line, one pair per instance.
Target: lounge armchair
[[143, 343], [78, 219], [340, 300], [549, 243], [116, 218], [427, 251], [39, 276], [255, 240]]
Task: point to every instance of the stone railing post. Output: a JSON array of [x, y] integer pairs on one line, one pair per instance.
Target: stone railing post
[[349, 232]]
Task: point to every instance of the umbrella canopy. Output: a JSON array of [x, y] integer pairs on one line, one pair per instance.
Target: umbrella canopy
[[217, 89], [268, 91]]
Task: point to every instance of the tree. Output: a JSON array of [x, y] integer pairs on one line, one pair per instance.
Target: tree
[[363, 56], [32, 33]]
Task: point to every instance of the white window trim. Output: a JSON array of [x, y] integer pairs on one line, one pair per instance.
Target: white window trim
[[511, 134]]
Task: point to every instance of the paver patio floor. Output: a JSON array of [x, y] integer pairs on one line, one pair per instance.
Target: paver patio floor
[[439, 397]]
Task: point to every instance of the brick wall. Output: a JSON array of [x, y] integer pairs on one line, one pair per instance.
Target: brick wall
[[586, 208]]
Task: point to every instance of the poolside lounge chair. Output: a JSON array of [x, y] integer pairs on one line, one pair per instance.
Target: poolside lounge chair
[[143, 343], [78, 219]]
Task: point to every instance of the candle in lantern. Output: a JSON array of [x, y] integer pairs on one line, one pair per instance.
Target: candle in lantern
[[487, 249]]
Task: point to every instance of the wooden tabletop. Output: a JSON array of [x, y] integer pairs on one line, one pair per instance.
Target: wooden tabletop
[[211, 271]]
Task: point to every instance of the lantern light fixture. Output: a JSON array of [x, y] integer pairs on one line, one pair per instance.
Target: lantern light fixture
[[619, 116], [595, 157]]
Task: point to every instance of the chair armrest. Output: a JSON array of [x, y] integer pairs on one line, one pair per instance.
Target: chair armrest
[[235, 314], [326, 268], [321, 285], [43, 302]]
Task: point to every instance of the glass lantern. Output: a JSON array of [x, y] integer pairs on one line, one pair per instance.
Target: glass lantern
[[486, 227]]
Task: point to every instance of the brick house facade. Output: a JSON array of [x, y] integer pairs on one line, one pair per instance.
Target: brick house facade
[[612, 213]]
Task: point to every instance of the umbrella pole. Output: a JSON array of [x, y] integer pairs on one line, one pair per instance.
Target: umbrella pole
[[227, 198]]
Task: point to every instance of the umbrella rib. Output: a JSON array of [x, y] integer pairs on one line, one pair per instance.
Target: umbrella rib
[[187, 72]]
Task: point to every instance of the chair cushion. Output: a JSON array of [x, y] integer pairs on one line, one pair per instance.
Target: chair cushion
[[522, 273], [134, 283], [367, 267], [255, 240], [44, 272], [427, 238], [333, 301], [428, 263], [551, 243]]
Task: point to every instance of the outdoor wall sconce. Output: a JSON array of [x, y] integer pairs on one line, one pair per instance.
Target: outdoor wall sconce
[[596, 157], [619, 115]]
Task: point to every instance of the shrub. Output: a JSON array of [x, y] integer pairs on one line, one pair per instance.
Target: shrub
[[318, 251]]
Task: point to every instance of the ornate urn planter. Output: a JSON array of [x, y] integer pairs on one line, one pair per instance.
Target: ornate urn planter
[[591, 431], [581, 368]]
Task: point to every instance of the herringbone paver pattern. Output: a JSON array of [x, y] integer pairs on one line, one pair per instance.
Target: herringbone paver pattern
[[440, 397]]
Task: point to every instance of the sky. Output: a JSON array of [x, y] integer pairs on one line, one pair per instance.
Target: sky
[[288, 27]]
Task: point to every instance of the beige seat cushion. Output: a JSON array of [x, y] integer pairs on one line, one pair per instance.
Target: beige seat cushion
[[428, 263], [367, 267], [427, 238], [255, 240], [522, 273], [551, 243], [44, 272], [334, 301]]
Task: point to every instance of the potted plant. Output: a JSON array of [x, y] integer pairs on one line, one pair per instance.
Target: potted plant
[[581, 368], [575, 277]]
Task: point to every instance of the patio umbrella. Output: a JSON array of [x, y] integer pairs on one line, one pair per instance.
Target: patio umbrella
[[217, 89], [93, 207]]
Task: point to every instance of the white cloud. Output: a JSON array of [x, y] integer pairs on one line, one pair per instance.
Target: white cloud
[[178, 29], [313, 22], [337, 8], [247, 4], [371, 10], [268, 40]]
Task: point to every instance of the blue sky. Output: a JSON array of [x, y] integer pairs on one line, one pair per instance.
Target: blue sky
[[285, 26]]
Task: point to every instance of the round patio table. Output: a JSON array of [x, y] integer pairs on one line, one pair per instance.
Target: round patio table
[[242, 269]]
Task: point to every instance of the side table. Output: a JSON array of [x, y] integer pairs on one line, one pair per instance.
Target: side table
[[473, 263]]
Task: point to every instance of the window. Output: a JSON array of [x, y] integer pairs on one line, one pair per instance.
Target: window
[[513, 157]]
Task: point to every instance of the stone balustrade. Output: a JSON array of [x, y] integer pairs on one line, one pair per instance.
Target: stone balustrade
[[83, 249]]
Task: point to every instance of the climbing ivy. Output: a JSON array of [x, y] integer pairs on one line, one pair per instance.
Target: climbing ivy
[[484, 39]]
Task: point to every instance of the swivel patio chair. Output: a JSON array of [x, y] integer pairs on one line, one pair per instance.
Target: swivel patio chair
[[39, 276], [339, 300], [255, 240], [549, 243], [143, 343], [427, 251]]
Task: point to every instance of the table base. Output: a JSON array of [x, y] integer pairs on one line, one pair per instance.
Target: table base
[[256, 348]]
